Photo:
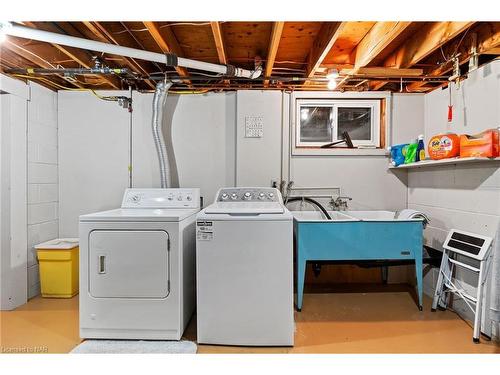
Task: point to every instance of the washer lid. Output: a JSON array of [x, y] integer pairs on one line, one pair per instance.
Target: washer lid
[[140, 214], [236, 208]]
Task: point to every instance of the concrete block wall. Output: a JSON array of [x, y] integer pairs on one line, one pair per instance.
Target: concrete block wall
[[43, 187], [465, 197]]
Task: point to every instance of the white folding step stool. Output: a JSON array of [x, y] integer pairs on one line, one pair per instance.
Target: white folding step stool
[[467, 246]]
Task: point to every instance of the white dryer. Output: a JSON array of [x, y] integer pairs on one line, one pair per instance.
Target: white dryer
[[137, 266], [244, 269]]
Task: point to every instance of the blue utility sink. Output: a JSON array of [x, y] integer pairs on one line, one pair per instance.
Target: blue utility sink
[[356, 235]]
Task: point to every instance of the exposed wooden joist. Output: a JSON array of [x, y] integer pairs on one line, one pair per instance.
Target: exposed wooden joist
[[494, 51], [273, 49], [377, 39], [427, 40], [324, 67], [488, 38], [167, 43], [104, 36], [373, 43], [219, 42], [375, 71], [326, 38]]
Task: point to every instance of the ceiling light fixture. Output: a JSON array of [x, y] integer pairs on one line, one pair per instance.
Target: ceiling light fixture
[[332, 84], [332, 74]]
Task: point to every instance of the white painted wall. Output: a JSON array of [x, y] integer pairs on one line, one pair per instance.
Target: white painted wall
[[465, 197], [201, 130], [259, 159], [43, 191], [93, 154], [13, 213], [94, 148]]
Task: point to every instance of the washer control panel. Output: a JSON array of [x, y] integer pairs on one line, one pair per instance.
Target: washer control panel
[[161, 198], [251, 194]]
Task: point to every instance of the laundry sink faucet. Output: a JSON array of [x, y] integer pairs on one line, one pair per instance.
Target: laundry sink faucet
[[340, 204]]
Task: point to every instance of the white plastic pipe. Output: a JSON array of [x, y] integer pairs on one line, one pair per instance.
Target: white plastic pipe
[[93, 45]]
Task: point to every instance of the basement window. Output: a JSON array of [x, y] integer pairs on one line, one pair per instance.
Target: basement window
[[320, 122]]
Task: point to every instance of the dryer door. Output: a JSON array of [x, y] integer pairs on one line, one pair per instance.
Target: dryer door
[[129, 264]]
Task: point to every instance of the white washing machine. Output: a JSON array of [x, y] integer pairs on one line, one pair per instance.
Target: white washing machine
[[244, 269], [137, 266]]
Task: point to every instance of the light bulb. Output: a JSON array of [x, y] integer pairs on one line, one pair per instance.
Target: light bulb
[[332, 84], [332, 74]]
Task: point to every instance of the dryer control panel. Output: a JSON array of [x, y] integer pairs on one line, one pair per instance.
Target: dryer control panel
[[161, 198], [250, 194]]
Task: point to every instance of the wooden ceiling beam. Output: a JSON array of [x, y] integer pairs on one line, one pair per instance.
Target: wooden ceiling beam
[[104, 36], [374, 42], [494, 51], [382, 71], [167, 42], [427, 40], [219, 42], [273, 49], [377, 39], [488, 38], [327, 36]]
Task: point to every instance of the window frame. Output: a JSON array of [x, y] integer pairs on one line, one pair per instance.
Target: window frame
[[375, 119]]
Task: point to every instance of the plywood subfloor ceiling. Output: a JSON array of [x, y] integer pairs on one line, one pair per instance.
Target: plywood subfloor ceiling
[[396, 56]]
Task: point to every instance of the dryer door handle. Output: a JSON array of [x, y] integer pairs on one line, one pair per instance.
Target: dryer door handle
[[102, 264]]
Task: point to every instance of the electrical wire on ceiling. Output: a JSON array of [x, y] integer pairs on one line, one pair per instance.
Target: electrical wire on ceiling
[[49, 82], [162, 26], [447, 59], [187, 24]]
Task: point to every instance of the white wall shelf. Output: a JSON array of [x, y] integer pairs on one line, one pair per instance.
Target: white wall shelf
[[437, 163]]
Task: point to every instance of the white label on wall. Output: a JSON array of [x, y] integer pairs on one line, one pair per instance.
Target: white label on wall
[[254, 126]]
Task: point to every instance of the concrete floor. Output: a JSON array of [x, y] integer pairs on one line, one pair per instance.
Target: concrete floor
[[347, 319]]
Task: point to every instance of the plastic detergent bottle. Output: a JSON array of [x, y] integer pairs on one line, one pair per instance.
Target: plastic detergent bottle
[[398, 154], [411, 152], [420, 149]]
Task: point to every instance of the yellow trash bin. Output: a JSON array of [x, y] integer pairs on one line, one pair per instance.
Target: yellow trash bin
[[58, 261]]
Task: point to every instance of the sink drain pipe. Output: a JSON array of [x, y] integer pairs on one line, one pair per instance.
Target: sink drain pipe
[[159, 100]]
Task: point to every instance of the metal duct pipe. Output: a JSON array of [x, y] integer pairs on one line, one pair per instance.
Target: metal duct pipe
[[159, 100], [170, 59]]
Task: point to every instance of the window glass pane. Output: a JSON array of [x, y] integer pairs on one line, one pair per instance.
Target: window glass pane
[[356, 121], [316, 124]]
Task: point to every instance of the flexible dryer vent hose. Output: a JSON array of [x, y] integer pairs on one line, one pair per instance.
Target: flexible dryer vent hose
[[159, 100]]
